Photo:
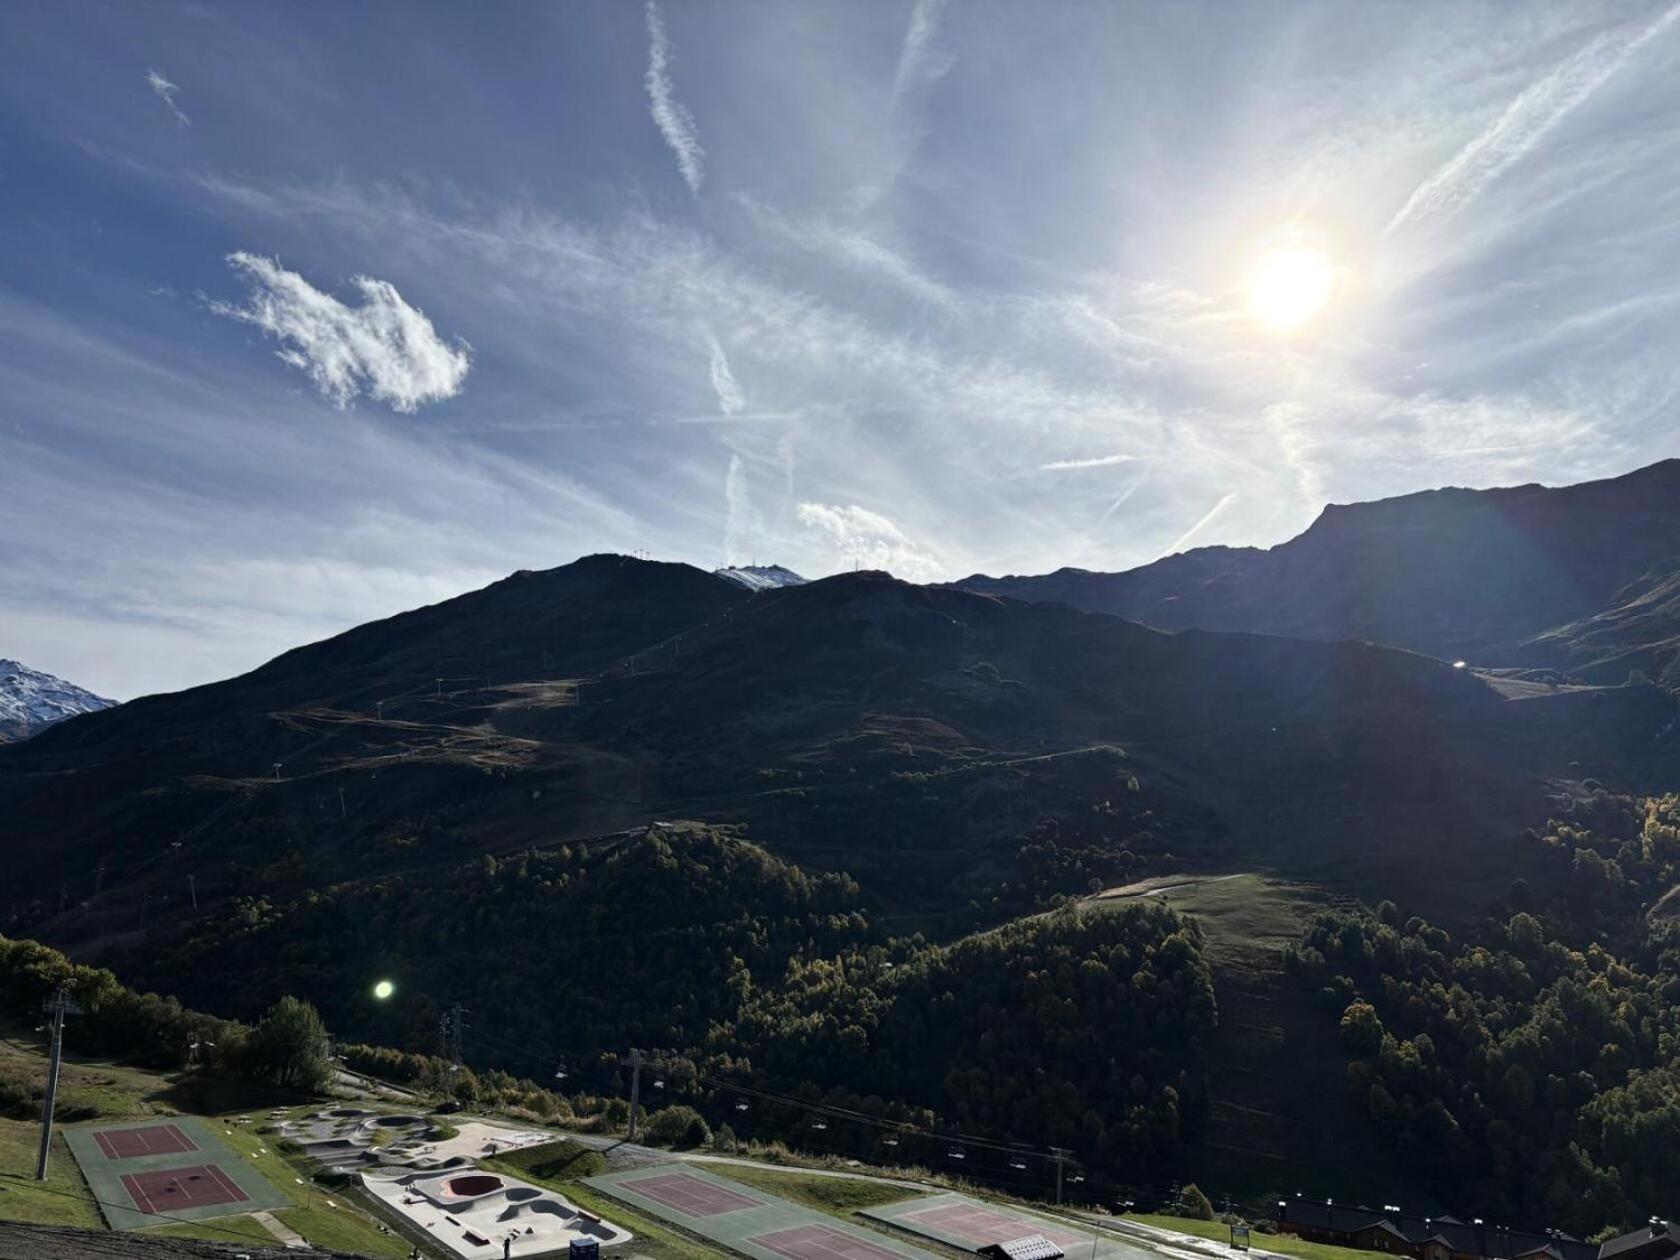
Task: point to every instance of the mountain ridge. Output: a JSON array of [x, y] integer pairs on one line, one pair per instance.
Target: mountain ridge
[[31, 700], [1495, 576]]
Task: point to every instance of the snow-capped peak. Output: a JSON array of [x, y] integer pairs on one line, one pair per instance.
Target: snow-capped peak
[[761, 577], [31, 701]]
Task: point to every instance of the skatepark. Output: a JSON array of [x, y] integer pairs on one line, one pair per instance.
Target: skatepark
[[473, 1213]]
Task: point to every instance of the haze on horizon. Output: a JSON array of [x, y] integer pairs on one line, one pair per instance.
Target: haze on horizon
[[315, 313]]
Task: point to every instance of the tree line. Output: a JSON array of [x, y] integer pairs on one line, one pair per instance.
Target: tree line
[[1083, 1028], [1531, 1070]]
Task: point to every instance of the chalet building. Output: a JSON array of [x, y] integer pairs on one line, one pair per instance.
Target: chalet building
[[1448, 1238], [1658, 1241]]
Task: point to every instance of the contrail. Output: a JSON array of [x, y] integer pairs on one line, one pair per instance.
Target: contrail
[[1202, 524], [1537, 109]]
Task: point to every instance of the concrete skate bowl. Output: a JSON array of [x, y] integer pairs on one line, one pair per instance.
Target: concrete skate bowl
[[468, 1211], [351, 1138]]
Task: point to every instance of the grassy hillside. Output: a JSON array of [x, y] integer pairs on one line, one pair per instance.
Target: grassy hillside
[[115, 1091], [1278, 1117]]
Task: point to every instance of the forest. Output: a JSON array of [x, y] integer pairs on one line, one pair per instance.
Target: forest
[[1532, 1068], [733, 968]]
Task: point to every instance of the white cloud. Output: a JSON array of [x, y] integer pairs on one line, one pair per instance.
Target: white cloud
[[1526, 121], [1095, 461], [920, 62], [384, 348], [730, 399], [870, 540], [672, 118], [165, 91], [854, 251], [741, 524]]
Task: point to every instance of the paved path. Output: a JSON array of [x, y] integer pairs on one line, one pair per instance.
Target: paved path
[[285, 1233]]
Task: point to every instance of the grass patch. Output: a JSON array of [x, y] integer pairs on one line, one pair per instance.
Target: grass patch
[[838, 1196], [347, 1226], [563, 1160], [1283, 1244], [63, 1199], [224, 1229], [90, 1088]]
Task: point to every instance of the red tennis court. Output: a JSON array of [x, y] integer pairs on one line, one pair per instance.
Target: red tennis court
[[690, 1195], [981, 1226], [822, 1242], [155, 1139], [177, 1189]]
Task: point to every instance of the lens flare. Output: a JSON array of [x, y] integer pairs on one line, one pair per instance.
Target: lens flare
[[1289, 285]]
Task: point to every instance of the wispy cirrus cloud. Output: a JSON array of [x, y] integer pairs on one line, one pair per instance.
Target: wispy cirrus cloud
[[383, 348], [165, 91], [730, 399], [670, 115], [741, 522], [1095, 461], [854, 251], [869, 539], [1526, 121], [921, 61]]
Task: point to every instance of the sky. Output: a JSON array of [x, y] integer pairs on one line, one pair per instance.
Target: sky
[[313, 313]]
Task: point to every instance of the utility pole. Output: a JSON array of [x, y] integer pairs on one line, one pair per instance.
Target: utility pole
[[58, 1006], [342, 812], [452, 1025], [635, 1091], [1060, 1156], [192, 887]]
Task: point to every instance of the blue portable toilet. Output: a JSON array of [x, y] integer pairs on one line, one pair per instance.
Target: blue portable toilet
[[586, 1249]]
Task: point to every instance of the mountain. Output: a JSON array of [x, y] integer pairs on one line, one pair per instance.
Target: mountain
[[1583, 579], [31, 701], [925, 740], [724, 815], [757, 577]]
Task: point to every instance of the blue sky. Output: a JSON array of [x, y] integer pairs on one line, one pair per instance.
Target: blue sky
[[312, 313]]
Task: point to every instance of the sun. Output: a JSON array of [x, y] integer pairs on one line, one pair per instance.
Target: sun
[[1289, 285]]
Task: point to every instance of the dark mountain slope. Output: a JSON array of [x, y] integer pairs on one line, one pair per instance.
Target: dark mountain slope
[[131, 785], [948, 749], [1521, 576]]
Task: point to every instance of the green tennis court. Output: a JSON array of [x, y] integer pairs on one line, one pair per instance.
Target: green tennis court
[[970, 1224], [154, 1171], [745, 1219]]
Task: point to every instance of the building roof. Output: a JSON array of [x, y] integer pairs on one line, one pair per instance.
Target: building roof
[[1655, 1241], [1031, 1247], [1477, 1239]]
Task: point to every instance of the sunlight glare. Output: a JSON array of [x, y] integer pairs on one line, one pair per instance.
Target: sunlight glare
[[1289, 285]]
